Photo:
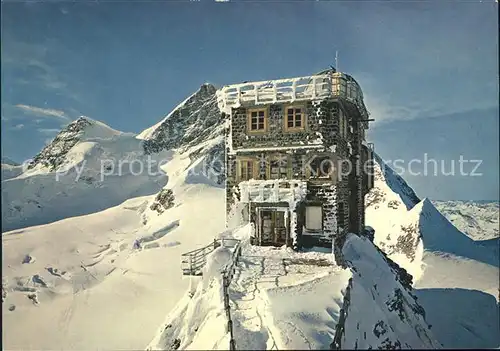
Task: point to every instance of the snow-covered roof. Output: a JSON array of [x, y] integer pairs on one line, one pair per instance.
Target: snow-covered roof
[[323, 85]]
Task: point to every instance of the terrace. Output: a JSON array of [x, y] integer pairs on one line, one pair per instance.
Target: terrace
[[315, 87]]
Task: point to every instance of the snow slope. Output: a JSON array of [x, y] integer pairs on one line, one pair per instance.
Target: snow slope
[[478, 220], [443, 261]]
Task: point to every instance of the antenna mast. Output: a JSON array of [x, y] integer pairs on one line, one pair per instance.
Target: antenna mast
[[337, 60]]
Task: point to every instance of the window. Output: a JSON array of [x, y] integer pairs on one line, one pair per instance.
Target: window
[[314, 218], [294, 118], [278, 167], [246, 170], [257, 120]]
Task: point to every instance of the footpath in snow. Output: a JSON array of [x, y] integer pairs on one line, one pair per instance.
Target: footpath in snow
[[281, 299]]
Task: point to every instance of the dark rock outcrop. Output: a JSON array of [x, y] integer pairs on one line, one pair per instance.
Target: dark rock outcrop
[[163, 201], [190, 124], [53, 155]]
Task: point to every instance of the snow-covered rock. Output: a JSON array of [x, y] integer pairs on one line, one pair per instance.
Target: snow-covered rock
[[381, 310], [193, 122]]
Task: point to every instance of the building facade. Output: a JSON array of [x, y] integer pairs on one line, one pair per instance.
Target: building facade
[[297, 163]]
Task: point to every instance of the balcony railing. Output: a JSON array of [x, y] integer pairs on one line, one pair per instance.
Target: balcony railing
[[291, 90], [272, 190]]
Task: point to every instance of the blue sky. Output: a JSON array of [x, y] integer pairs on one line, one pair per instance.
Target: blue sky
[[428, 69]]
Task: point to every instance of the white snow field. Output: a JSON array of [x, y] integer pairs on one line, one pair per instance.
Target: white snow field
[[94, 290], [95, 264]]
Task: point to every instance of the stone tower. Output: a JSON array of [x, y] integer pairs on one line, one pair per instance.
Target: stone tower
[[297, 162]]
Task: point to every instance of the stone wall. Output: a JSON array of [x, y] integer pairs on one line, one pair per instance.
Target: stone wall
[[327, 194], [320, 127]]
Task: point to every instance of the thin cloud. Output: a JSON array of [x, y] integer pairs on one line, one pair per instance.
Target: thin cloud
[[23, 55], [39, 112], [48, 131], [18, 127]]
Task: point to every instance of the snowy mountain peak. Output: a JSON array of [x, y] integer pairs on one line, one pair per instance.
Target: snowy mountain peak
[[385, 174], [183, 111], [191, 124], [54, 154]]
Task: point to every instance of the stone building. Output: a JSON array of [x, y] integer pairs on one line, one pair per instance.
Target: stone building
[[296, 158]]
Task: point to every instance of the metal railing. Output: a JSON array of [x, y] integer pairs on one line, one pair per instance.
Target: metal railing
[[227, 277], [290, 90], [340, 327], [272, 190], [192, 262]]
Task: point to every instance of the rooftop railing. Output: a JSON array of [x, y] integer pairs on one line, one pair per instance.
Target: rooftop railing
[[291, 90]]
